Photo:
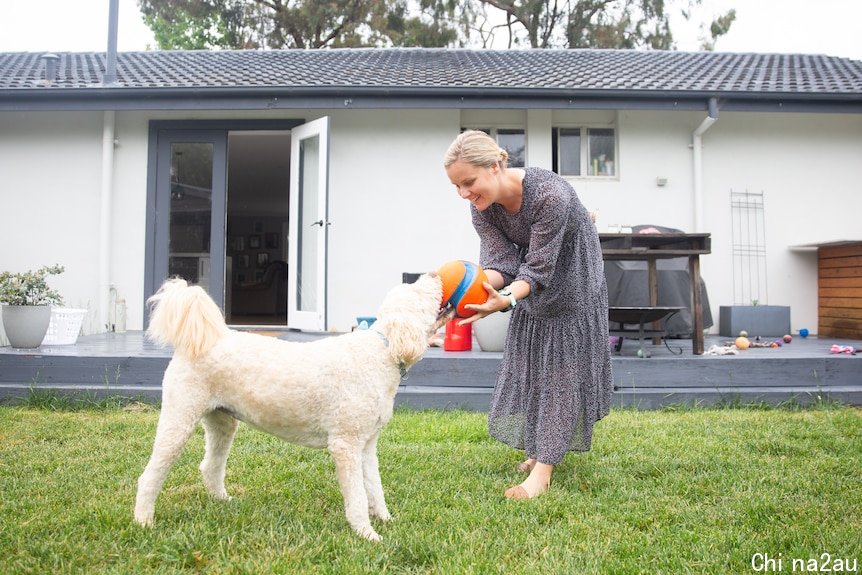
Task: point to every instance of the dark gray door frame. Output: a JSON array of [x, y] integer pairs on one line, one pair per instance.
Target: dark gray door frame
[[162, 133]]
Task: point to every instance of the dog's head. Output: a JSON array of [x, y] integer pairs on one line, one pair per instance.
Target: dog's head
[[410, 313]]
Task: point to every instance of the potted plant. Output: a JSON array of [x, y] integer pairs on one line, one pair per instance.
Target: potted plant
[[27, 301]]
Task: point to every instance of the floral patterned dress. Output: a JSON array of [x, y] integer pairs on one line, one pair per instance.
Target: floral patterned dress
[[555, 380]]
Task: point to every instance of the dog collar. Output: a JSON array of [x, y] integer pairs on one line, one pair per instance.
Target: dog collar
[[401, 366]]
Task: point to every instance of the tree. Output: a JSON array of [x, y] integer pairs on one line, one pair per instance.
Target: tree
[[200, 24], [195, 25], [598, 23], [240, 24]]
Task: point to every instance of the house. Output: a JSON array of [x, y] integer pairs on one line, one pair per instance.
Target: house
[[219, 165]]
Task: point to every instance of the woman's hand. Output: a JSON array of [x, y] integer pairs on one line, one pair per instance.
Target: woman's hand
[[496, 302]]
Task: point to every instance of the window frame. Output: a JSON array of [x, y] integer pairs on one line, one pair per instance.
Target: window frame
[[494, 132], [585, 162]]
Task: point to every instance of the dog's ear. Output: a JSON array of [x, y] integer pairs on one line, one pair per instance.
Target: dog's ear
[[408, 339]]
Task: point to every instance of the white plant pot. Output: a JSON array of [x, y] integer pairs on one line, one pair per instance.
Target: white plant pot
[[490, 331], [26, 325]]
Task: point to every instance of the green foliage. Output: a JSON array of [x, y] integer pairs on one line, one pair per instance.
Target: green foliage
[[30, 287], [276, 24], [719, 27], [242, 24], [193, 25], [697, 491]]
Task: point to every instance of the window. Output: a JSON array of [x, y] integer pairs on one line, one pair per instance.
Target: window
[[513, 141], [569, 152], [584, 152]]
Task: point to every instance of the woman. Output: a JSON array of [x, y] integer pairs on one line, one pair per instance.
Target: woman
[[540, 250]]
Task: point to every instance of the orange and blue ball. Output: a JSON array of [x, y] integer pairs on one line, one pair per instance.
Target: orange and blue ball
[[462, 285]]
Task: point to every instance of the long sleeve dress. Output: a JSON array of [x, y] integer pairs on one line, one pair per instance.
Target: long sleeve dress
[[555, 380]]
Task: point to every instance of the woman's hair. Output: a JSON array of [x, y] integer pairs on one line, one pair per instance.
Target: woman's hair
[[476, 148]]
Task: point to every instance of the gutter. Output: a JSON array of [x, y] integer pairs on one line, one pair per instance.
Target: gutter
[[119, 98], [697, 162], [119, 92]]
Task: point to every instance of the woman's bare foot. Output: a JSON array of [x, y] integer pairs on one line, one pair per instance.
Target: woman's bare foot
[[527, 466], [536, 484]]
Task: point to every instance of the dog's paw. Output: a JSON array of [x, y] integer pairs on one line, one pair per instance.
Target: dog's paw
[[369, 533], [144, 519], [381, 514]]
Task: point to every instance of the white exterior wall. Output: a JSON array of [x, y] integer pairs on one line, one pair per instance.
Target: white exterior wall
[[807, 166], [50, 178], [393, 210]]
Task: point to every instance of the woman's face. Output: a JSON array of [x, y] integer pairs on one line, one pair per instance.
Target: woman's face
[[480, 186]]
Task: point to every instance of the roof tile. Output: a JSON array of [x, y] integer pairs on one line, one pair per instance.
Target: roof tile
[[429, 69]]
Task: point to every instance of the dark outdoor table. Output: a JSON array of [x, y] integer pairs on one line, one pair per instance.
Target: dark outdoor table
[[652, 247]]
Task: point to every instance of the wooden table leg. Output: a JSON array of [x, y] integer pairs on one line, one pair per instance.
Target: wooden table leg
[[696, 306], [653, 295]]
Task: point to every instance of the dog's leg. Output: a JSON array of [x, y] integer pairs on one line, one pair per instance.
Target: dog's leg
[[373, 485], [219, 431], [176, 423], [348, 468]]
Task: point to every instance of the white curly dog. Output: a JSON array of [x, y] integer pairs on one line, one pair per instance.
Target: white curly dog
[[336, 392]]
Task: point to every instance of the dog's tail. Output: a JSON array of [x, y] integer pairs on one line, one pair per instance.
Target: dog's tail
[[185, 317]]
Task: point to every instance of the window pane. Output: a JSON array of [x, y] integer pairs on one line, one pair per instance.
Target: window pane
[[306, 274], [191, 212], [514, 142], [601, 152], [570, 151]]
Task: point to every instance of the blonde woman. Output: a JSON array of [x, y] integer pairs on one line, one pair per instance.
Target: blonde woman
[[541, 252]]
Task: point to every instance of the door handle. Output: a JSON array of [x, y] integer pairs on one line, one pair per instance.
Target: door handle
[[320, 223]]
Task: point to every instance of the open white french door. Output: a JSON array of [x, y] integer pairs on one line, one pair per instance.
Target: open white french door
[[306, 269]]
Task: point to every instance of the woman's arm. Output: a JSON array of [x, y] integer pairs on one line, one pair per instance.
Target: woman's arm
[[519, 289], [495, 278], [496, 251]]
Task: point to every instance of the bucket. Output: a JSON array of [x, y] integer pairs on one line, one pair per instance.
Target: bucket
[[458, 337]]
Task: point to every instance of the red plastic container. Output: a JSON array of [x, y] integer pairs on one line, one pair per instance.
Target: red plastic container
[[458, 337]]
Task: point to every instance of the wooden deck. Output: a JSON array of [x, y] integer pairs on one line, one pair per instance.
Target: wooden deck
[[803, 371]]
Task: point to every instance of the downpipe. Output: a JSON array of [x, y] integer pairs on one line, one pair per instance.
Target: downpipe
[[105, 217], [697, 161]]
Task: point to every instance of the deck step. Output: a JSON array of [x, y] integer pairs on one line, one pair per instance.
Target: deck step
[[112, 365]]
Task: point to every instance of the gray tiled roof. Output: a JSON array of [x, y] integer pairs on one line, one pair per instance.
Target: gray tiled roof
[[431, 71]]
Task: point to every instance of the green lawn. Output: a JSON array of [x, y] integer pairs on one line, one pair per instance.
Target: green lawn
[[693, 491]]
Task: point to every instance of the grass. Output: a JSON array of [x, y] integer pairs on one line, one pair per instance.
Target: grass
[[677, 491]]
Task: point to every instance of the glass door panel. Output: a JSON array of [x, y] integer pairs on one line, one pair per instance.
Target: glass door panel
[[190, 209], [191, 212], [307, 279], [308, 226]]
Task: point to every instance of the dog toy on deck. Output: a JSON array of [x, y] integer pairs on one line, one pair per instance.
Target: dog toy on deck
[[848, 349], [722, 350]]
